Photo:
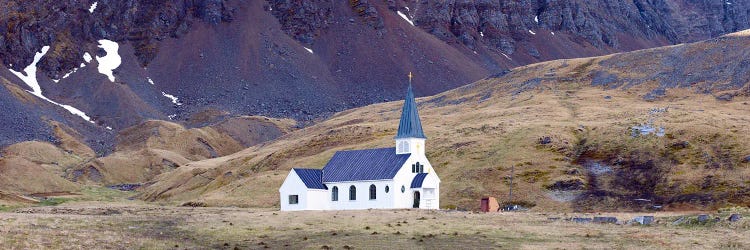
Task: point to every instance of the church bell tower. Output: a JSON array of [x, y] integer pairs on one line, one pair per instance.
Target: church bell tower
[[410, 138]]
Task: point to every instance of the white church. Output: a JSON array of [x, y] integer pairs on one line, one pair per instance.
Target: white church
[[381, 178]]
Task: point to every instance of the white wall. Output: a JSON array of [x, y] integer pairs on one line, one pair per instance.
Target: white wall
[[318, 199], [430, 193], [405, 176], [309, 199], [383, 200], [292, 185]]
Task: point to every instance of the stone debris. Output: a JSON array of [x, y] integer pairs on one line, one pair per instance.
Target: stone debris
[[647, 129], [605, 220], [679, 221], [581, 220]]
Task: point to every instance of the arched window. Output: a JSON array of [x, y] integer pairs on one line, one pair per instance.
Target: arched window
[[373, 192], [403, 188], [335, 194], [352, 193], [387, 189]]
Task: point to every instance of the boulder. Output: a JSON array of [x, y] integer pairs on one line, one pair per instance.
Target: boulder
[[703, 218], [735, 217], [648, 220], [545, 140]]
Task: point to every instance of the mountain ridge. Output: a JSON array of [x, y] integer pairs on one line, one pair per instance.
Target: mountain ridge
[[252, 57]]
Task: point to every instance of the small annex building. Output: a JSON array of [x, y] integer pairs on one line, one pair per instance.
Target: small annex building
[[380, 178]]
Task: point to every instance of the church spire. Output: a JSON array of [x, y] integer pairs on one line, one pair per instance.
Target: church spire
[[410, 126]]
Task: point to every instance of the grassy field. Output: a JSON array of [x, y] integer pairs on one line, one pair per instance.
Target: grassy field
[[134, 226]]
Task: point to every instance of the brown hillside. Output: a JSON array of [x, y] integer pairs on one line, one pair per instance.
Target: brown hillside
[[18, 175], [566, 126]]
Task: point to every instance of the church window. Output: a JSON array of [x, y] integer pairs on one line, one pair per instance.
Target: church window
[[352, 193], [403, 147], [403, 189], [387, 189], [335, 194], [293, 199], [417, 168], [373, 192]]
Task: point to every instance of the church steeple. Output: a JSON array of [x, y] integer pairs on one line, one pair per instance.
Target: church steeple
[[410, 126], [410, 137]]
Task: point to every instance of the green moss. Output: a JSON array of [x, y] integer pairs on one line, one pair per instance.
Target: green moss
[[53, 201], [4, 208]]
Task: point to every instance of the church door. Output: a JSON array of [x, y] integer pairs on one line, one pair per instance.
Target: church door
[[416, 199]]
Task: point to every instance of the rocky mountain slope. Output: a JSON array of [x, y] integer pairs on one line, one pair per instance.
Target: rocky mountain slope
[[296, 59], [652, 129]]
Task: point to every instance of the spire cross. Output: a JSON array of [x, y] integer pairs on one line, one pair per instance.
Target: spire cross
[[410, 76]]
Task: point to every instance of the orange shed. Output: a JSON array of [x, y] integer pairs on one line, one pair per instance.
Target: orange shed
[[489, 204]]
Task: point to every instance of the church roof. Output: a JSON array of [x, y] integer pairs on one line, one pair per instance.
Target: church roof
[[361, 165], [313, 178], [418, 180], [410, 126]]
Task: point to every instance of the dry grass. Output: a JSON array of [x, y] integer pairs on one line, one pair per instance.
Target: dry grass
[[138, 226], [477, 139]]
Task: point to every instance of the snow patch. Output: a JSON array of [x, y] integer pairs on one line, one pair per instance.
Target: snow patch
[[536, 19], [481, 34], [309, 50], [506, 56], [532, 32], [553, 33], [30, 79], [87, 57], [69, 73], [93, 7], [109, 128], [404, 17], [171, 117], [150, 81], [111, 61], [174, 99]]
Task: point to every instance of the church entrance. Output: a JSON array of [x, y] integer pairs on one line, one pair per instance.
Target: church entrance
[[416, 199]]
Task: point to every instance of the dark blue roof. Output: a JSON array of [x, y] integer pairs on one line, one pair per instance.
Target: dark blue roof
[[360, 165], [410, 126], [417, 181], [313, 178]]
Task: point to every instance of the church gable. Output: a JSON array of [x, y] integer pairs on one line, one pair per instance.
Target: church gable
[[360, 165]]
